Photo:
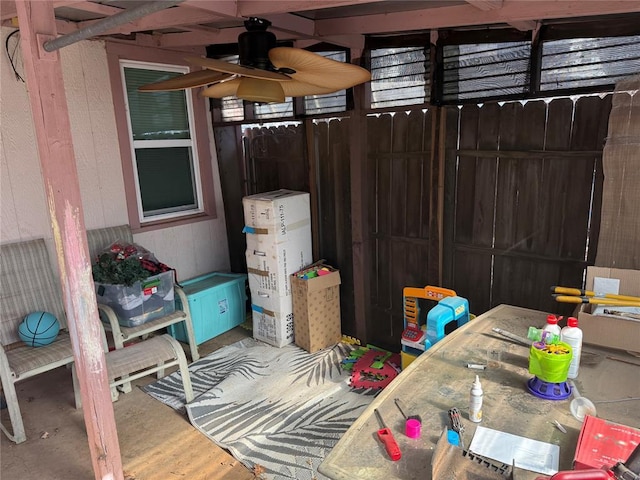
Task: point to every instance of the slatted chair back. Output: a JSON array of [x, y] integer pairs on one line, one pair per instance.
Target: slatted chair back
[[27, 284], [101, 238]]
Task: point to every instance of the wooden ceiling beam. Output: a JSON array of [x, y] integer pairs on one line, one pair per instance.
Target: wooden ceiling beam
[[252, 8], [524, 25], [91, 7], [486, 5], [463, 15], [225, 9]]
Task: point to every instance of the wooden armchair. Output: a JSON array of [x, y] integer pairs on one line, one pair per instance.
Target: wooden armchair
[[98, 240], [27, 284]]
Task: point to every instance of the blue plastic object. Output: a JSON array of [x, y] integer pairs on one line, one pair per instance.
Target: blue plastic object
[[217, 302], [453, 438], [449, 309]]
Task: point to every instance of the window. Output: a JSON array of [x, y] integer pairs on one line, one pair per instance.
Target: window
[[330, 102], [163, 148], [265, 111], [485, 70], [588, 62], [399, 76]]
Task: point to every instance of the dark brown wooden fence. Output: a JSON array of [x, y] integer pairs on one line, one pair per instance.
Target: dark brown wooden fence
[[527, 188], [508, 208]]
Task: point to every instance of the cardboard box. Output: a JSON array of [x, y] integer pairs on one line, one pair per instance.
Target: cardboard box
[[612, 332], [274, 328], [277, 213], [141, 302], [603, 444], [316, 309], [270, 266], [271, 301]]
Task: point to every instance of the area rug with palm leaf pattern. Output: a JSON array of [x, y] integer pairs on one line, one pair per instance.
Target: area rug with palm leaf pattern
[[279, 411]]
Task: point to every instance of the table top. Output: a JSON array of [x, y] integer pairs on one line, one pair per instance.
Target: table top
[[439, 380]]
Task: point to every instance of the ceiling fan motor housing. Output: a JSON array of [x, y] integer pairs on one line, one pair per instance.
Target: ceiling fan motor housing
[[255, 43]]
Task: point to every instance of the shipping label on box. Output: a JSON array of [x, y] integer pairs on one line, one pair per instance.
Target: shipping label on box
[[269, 269], [277, 213], [602, 444], [300, 238], [621, 332], [274, 328], [316, 308]]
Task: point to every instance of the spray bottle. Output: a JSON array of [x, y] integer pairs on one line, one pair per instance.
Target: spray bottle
[[475, 401]]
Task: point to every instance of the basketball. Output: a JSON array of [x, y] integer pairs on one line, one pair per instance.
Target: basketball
[[39, 329]]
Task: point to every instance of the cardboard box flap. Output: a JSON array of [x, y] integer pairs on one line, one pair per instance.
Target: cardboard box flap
[[322, 282], [629, 279]]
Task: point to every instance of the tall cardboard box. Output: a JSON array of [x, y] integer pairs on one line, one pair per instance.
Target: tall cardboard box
[[609, 331], [277, 213], [316, 309], [272, 327], [271, 263]]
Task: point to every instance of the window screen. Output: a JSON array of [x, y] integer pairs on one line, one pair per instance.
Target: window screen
[[165, 165], [274, 110], [588, 62], [232, 109], [485, 70], [331, 102], [399, 76]]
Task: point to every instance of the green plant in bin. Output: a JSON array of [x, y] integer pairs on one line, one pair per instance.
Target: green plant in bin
[[118, 271]]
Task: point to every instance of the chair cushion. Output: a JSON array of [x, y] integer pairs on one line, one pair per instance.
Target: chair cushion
[[147, 353], [25, 361]]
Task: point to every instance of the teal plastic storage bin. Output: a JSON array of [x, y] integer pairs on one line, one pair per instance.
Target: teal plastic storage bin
[[217, 302]]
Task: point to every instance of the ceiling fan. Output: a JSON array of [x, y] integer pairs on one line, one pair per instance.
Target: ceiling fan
[[266, 73]]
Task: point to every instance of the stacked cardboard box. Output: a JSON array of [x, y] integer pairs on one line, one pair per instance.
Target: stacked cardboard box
[[278, 228]]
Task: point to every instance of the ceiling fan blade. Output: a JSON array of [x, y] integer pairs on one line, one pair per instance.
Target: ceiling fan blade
[[315, 69], [296, 88], [235, 69], [293, 88], [222, 89], [188, 80]]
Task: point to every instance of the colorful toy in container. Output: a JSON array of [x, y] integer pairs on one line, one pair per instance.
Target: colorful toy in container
[[549, 362]]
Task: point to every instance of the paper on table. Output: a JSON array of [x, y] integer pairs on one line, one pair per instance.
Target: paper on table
[[511, 449]]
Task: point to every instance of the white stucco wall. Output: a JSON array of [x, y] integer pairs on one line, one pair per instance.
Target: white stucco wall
[[192, 249]]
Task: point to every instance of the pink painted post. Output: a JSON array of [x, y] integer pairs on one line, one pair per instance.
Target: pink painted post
[[53, 132]]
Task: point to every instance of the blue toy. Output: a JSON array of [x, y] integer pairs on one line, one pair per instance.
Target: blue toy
[[449, 309], [39, 329]]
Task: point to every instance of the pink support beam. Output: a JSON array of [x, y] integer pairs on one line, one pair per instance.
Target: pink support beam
[[55, 147]]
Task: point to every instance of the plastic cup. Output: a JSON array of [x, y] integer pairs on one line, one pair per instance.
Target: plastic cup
[[580, 406], [412, 428]]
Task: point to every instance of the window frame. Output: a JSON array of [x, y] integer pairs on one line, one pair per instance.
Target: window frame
[[118, 56]]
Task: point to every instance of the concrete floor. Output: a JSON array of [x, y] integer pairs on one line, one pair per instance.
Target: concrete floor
[[156, 442]]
